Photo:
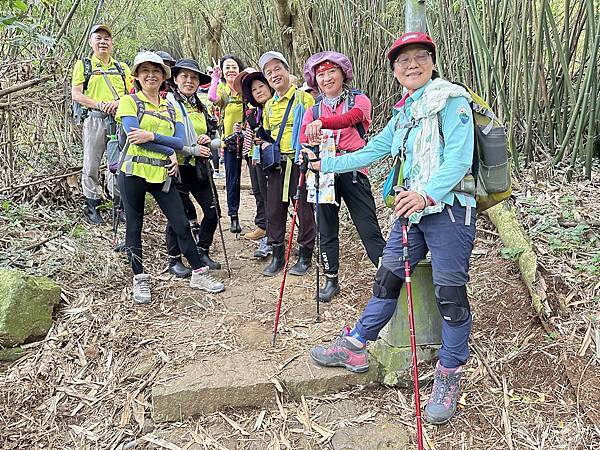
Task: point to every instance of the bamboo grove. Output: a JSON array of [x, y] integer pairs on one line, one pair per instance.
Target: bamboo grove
[[536, 61]]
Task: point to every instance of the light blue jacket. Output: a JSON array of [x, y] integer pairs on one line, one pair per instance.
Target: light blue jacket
[[456, 153]]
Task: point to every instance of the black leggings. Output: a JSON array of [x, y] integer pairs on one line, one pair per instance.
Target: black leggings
[[356, 192], [202, 192], [133, 191]]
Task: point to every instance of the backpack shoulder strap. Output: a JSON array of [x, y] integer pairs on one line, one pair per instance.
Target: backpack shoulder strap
[[316, 110], [172, 113], [122, 73], [350, 102], [87, 72], [141, 108]]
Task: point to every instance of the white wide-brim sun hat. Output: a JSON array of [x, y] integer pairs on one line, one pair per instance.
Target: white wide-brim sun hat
[[152, 57]]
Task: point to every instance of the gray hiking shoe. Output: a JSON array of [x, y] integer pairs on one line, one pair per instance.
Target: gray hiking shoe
[[141, 289], [263, 249], [345, 352], [444, 395], [202, 280]]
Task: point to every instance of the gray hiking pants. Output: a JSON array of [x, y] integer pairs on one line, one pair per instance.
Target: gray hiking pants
[[94, 146]]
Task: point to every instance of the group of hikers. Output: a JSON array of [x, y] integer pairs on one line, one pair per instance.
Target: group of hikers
[[165, 111]]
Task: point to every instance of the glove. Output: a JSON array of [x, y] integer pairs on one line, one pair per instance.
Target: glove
[[190, 150]]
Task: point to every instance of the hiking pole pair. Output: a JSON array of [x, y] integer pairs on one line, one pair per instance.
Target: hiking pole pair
[[301, 180], [217, 206], [411, 323]]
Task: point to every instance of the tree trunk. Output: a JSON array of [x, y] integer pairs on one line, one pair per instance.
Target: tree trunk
[[284, 16], [415, 16], [214, 30]]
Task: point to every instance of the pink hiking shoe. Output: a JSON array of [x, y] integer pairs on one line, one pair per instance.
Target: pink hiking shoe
[[444, 395], [345, 351]]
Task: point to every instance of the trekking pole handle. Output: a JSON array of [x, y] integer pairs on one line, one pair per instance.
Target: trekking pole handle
[[397, 189], [304, 163]]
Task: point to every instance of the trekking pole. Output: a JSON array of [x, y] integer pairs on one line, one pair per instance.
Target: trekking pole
[[315, 150], [217, 207], [411, 323], [303, 169]]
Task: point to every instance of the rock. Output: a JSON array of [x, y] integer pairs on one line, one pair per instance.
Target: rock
[[11, 354], [303, 377], [381, 435], [338, 410], [26, 304], [148, 426], [231, 381]]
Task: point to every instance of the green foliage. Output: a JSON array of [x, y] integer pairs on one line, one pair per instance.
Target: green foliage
[[79, 232], [569, 239], [511, 253]]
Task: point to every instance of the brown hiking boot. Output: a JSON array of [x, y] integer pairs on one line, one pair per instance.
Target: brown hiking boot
[[255, 235]]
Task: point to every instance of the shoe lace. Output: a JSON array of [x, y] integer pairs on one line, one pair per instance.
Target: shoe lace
[[143, 287], [442, 388], [210, 279]]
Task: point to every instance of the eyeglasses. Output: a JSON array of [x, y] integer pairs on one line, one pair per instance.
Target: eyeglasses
[[421, 58]]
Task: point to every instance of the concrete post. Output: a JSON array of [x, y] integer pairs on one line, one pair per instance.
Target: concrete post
[[392, 350]]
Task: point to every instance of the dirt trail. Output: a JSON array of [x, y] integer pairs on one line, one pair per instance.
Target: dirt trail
[[88, 385]]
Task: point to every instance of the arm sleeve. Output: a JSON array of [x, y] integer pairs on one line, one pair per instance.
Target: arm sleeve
[[213, 91], [457, 154], [176, 141], [130, 122], [346, 120], [377, 147]]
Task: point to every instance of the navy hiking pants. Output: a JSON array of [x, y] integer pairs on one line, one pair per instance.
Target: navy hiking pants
[[449, 236]]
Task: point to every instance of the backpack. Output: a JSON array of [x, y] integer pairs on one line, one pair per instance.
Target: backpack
[[88, 72], [489, 179], [79, 111], [113, 151], [350, 101]]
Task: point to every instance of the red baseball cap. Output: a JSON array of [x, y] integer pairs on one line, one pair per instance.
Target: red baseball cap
[[413, 37]]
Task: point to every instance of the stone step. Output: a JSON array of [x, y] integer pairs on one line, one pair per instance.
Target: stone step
[[236, 380], [244, 380]]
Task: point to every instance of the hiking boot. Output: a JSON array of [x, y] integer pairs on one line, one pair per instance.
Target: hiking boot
[[331, 288], [444, 395], [303, 263], [345, 351], [141, 289], [263, 249], [202, 280], [91, 211], [235, 225], [218, 175], [206, 260], [177, 268], [255, 235], [277, 262]]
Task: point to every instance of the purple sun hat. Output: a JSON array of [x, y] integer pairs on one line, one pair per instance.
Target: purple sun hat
[[337, 58]]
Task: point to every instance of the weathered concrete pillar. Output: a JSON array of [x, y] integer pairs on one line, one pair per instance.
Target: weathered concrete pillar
[[392, 351], [415, 17]]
